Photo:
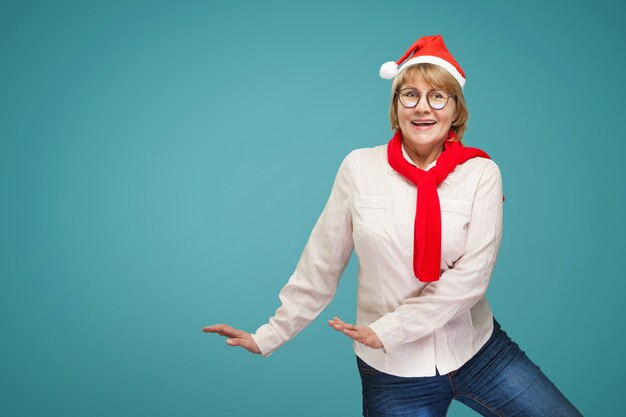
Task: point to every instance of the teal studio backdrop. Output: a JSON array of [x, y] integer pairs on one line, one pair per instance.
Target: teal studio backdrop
[[163, 163]]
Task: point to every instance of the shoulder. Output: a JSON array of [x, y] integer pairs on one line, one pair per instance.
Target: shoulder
[[364, 163], [367, 153], [487, 178], [476, 173], [367, 156], [480, 168], [479, 163]]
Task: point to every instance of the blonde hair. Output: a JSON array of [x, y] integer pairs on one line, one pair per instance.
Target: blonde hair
[[439, 78]]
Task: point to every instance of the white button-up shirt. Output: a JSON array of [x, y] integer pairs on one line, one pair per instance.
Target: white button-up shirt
[[371, 209]]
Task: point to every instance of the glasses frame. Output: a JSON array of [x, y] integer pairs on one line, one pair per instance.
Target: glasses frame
[[419, 98]]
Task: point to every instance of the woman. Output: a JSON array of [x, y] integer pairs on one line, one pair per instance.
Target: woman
[[425, 333]]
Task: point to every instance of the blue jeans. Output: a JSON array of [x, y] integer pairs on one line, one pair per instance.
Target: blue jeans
[[499, 381]]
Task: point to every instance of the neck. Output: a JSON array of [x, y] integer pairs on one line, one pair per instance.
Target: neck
[[423, 156]]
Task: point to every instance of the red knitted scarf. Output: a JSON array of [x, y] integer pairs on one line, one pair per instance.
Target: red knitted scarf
[[427, 228]]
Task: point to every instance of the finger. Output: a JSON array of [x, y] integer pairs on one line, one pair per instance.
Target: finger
[[360, 337], [223, 330], [216, 328], [334, 324], [246, 343], [336, 327], [339, 324], [352, 334], [345, 326]]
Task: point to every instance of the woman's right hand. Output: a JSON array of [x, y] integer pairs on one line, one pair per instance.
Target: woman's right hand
[[235, 337]]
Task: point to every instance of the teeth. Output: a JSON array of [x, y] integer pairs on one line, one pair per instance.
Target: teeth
[[424, 123]]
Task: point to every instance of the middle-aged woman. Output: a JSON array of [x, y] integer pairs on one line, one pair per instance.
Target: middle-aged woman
[[424, 215]]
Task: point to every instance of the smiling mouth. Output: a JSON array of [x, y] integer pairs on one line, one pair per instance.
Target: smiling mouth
[[423, 122]]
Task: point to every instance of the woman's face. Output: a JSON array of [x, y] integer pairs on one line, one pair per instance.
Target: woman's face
[[424, 129]]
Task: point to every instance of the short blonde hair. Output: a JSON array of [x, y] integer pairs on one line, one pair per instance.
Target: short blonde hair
[[439, 78]]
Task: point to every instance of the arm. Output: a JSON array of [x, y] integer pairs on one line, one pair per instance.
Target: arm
[[460, 287], [313, 284]]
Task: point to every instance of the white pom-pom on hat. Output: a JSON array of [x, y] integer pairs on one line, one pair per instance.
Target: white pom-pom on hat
[[388, 70]]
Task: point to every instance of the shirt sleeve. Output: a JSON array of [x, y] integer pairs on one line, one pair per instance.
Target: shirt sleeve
[[314, 282], [461, 286]]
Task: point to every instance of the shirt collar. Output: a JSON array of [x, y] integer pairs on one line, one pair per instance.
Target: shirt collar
[[392, 171]]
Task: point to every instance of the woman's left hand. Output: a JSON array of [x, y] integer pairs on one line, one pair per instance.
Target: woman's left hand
[[361, 334]]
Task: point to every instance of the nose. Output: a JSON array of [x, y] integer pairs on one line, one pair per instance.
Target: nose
[[422, 106]]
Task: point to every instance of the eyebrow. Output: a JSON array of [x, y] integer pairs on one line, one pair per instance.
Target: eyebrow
[[415, 88]]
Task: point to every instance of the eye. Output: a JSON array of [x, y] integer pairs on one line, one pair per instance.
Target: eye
[[409, 93], [438, 94]]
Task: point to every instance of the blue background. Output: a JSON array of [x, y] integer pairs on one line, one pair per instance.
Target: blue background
[[163, 163]]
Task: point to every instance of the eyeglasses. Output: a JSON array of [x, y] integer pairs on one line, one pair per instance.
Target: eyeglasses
[[436, 99]]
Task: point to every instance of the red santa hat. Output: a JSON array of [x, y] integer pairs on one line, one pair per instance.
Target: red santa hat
[[428, 49]]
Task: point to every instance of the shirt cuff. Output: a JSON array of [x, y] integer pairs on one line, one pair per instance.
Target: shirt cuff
[[267, 340], [389, 330]]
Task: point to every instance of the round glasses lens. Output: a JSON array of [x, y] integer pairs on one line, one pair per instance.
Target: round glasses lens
[[437, 99], [409, 97]]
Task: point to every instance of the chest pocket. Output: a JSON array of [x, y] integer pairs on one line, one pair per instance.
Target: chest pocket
[[371, 215], [455, 216]]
